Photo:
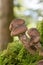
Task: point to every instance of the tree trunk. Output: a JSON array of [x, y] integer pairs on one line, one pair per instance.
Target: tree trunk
[[6, 15]]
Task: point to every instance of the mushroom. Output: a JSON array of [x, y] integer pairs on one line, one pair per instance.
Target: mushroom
[[40, 62], [35, 39], [34, 34], [18, 28]]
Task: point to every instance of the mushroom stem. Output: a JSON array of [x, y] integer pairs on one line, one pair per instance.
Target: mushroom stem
[[24, 39]]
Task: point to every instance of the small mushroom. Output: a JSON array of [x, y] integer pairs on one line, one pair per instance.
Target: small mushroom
[[19, 30], [35, 39], [34, 34], [40, 62]]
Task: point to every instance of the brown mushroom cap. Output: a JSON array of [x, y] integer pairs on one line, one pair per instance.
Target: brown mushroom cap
[[21, 29], [34, 34], [17, 27], [15, 23], [40, 62]]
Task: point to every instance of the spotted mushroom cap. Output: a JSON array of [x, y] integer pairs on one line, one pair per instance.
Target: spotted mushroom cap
[[17, 27]]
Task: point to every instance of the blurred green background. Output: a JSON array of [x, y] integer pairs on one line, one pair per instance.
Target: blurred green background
[[30, 11]]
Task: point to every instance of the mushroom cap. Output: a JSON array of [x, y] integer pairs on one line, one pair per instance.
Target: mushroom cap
[[40, 62], [17, 27], [21, 29], [15, 23], [34, 34]]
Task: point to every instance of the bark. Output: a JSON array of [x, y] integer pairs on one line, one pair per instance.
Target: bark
[[6, 15]]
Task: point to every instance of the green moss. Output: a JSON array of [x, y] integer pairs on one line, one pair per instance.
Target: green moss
[[40, 29], [16, 54]]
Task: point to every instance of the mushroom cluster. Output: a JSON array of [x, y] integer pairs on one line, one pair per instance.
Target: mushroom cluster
[[18, 28]]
